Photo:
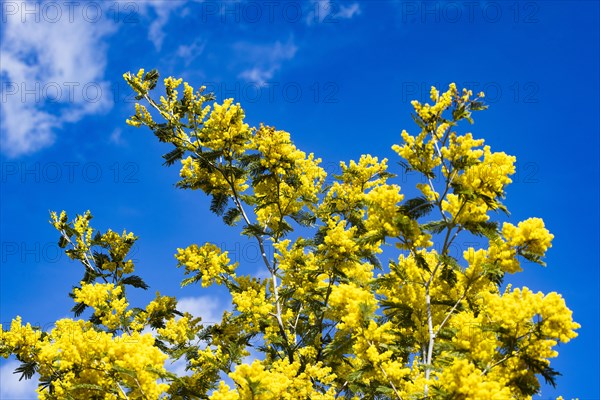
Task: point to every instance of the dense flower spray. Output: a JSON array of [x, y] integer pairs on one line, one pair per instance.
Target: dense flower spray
[[331, 319]]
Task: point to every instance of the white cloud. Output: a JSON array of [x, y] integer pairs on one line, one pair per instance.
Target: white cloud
[[116, 137], [210, 309], [329, 11], [266, 60], [347, 12], [11, 388], [177, 367], [254, 355], [191, 51], [52, 73], [163, 10]]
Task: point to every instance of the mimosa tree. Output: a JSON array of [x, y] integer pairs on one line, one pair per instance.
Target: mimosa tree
[[334, 318]]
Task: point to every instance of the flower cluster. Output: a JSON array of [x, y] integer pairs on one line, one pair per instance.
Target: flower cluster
[[107, 300], [289, 180], [83, 362], [281, 381], [225, 129], [208, 261]]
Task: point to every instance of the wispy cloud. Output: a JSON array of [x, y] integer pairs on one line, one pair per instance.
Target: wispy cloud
[[210, 309], [162, 10], [327, 11], [52, 73], [11, 387], [116, 137], [189, 52], [349, 11], [263, 60]]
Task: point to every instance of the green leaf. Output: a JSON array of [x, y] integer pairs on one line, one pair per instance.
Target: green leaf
[[232, 216], [372, 258], [405, 166], [449, 275], [400, 312], [338, 347], [419, 121], [435, 226], [218, 203], [488, 229], [370, 238], [493, 272], [69, 230], [537, 366], [385, 390], [89, 276], [248, 160], [462, 113], [417, 207], [125, 371], [164, 132], [443, 302], [531, 257], [462, 163], [174, 155], [421, 262], [62, 242], [100, 258], [304, 218], [152, 76], [191, 280], [253, 230], [135, 281], [87, 386], [26, 369], [78, 309], [478, 106], [449, 261]]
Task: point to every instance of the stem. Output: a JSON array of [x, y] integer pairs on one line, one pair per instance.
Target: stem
[[278, 307], [259, 239], [322, 317], [489, 367], [390, 381], [271, 267], [140, 386], [432, 335], [122, 391], [294, 327], [451, 311], [87, 263], [341, 389], [387, 377], [428, 360]]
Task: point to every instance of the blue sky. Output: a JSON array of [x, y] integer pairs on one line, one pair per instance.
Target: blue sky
[[339, 76]]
